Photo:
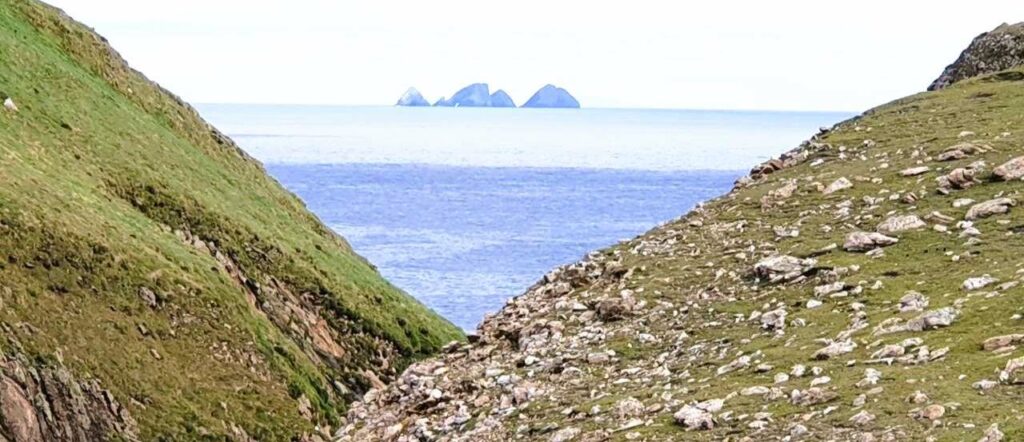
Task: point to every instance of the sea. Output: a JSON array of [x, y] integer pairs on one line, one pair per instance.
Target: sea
[[464, 208]]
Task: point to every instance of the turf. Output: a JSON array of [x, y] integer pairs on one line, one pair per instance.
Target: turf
[[104, 179]]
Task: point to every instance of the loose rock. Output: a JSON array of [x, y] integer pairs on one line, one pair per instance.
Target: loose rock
[[837, 185], [997, 342], [988, 208], [958, 152], [976, 283], [1010, 170], [914, 171], [901, 223], [694, 418], [866, 241], [835, 348], [782, 267], [992, 434], [862, 418], [932, 412], [913, 301], [942, 317]]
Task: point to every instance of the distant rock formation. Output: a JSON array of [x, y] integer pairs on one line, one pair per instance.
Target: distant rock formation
[[994, 51], [412, 97], [501, 99], [474, 95], [479, 95], [551, 96]]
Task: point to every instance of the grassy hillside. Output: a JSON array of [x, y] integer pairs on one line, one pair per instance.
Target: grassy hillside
[[703, 329], [142, 249]]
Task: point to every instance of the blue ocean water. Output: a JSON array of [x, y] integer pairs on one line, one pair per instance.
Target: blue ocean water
[[464, 208]]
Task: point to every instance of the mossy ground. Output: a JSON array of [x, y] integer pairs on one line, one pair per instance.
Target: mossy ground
[[97, 169], [991, 107]]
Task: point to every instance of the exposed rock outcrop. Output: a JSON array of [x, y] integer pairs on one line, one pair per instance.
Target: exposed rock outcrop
[[999, 49], [42, 402]]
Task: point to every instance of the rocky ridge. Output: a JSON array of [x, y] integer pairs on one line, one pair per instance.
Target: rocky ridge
[[864, 286], [997, 50]]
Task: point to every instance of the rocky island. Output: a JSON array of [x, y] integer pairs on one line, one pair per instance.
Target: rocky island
[[551, 96], [479, 95], [863, 286], [474, 95], [501, 99], [412, 98]]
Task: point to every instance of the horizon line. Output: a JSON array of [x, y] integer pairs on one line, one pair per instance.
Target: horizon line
[[691, 109]]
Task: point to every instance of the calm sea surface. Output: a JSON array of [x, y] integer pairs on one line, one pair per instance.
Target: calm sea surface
[[464, 208]]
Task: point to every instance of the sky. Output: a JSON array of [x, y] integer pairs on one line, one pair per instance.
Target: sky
[[722, 54]]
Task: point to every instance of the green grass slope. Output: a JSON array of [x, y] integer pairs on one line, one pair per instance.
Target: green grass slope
[[141, 248], [629, 344]]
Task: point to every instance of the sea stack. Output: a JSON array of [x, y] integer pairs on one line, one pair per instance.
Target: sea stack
[[412, 97], [474, 95], [501, 99], [551, 96]]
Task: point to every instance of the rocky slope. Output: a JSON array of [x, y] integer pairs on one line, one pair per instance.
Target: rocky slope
[[863, 286], [155, 283], [996, 50]]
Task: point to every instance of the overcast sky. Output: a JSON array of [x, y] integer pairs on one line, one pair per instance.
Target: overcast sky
[[722, 54]]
